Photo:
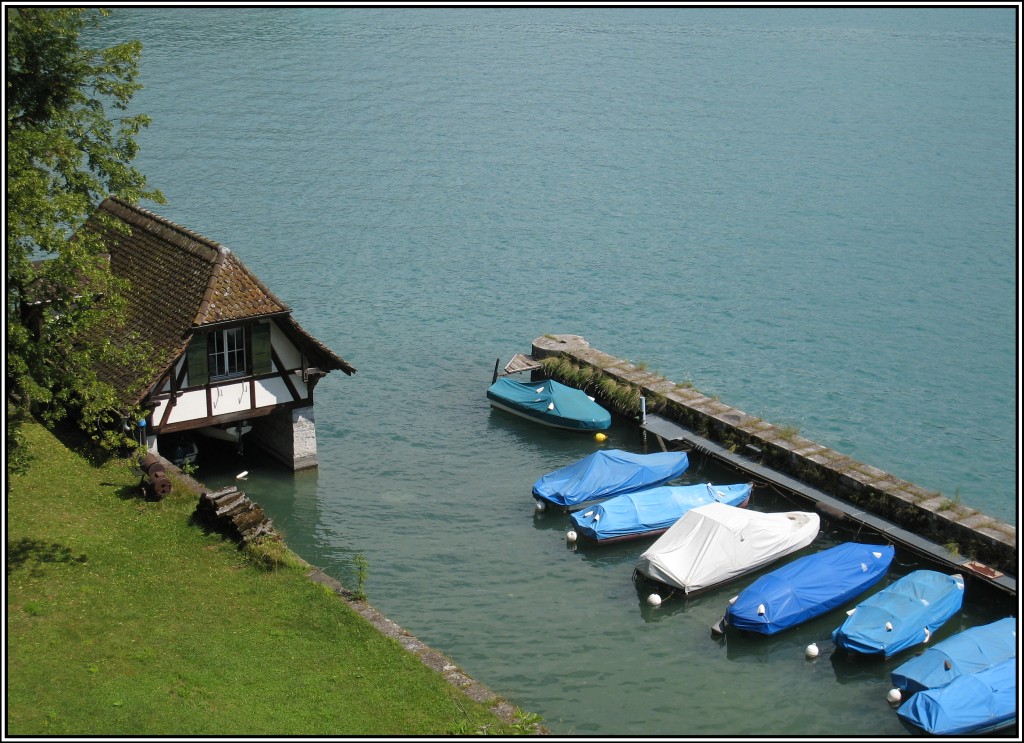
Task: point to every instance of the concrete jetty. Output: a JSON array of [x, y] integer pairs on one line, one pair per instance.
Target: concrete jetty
[[924, 520]]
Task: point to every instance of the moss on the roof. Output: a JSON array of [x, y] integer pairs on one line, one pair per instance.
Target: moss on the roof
[[180, 282]]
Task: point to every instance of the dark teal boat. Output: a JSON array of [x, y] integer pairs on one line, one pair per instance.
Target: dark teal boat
[[549, 402]]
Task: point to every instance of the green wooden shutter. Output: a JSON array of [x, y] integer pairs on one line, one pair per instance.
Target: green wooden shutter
[[261, 349], [198, 364]]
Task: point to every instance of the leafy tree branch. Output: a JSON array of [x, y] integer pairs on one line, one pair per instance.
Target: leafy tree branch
[[66, 152]]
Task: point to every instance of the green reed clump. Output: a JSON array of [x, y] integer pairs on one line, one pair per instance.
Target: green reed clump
[[622, 396], [583, 377]]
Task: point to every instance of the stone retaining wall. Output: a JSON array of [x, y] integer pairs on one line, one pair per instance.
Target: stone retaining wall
[[926, 513]]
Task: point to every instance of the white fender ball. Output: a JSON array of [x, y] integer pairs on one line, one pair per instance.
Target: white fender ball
[[571, 535], [654, 599], [811, 651], [539, 505], [894, 696]]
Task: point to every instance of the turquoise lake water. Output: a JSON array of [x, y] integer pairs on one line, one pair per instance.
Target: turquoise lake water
[[808, 212]]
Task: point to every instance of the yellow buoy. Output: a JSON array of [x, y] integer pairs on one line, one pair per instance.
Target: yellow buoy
[[600, 436]]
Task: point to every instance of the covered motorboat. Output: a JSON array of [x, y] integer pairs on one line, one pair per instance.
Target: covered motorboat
[[231, 432], [902, 615], [605, 474], [971, 704], [716, 543], [549, 402], [180, 450], [648, 513], [807, 587], [970, 651]]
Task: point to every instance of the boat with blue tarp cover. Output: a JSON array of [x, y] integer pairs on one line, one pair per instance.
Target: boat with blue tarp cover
[[549, 402], [971, 704], [970, 651], [650, 512], [605, 474], [807, 587], [904, 614]]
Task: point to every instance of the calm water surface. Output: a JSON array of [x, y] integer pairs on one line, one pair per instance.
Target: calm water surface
[[808, 212]]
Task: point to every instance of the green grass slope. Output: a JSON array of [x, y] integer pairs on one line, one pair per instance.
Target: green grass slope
[[125, 618]]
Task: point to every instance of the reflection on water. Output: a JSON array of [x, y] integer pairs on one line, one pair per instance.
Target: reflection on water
[[855, 668], [567, 625]]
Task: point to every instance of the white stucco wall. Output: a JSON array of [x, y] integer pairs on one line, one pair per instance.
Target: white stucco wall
[[235, 396]]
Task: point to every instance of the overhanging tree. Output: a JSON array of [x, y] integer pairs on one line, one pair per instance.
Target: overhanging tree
[[70, 143]]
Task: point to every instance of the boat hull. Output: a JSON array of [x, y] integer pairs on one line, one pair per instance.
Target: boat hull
[[808, 587], [231, 433], [902, 615], [182, 452]]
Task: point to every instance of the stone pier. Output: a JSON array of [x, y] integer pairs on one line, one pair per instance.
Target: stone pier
[[289, 436], [962, 529]]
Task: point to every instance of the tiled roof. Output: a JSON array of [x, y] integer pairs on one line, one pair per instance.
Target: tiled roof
[[182, 281]]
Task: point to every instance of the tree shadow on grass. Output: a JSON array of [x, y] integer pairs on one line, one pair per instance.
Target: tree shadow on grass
[[75, 439], [26, 550]]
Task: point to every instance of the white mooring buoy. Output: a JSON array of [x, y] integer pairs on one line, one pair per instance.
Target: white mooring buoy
[[894, 696], [811, 651], [654, 599], [571, 535]]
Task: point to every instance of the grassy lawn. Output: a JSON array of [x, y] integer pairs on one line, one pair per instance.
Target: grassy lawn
[[125, 618]]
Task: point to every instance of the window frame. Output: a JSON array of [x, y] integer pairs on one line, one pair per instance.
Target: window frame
[[220, 353]]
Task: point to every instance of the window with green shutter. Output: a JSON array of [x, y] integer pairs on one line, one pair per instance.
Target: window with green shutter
[[261, 363], [198, 369]]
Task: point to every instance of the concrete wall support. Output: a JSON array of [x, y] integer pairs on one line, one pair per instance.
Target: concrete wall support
[[288, 435]]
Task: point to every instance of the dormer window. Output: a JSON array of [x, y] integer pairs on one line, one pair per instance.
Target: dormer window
[[227, 356]]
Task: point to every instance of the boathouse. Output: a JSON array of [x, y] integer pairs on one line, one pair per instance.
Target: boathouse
[[230, 359]]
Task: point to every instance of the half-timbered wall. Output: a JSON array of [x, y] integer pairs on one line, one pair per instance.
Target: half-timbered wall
[[179, 404]]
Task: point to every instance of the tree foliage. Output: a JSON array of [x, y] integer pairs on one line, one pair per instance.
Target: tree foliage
[[70, 143]]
